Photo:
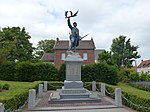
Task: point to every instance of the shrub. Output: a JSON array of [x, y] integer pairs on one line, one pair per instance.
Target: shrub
[[24, 71], [133, 75], [145, 77], [62, 72], [100, 72], [27, 71], [88, 85], [7, 71], [123, 75], [127, 75], [55, 85], [18, 95], [1, 87], [6, 86], [141, 102]]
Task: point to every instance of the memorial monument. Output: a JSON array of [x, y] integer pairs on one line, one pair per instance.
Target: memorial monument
[[73, 86]]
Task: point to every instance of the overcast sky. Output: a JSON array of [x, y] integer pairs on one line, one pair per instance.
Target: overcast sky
[[104, 20]]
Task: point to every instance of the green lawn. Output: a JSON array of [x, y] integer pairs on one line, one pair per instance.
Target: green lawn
[[16, 88], [134, 91]]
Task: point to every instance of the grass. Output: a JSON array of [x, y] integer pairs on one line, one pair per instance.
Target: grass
[[15, 88], [132, 90]]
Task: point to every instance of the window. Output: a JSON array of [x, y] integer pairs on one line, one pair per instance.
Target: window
[[85, 56], [63, 56]]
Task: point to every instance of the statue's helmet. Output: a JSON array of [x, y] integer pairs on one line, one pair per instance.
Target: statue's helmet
[[74, 24]]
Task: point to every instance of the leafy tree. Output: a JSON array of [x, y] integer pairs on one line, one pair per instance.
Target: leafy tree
[[5, 49], [15, 42], [44, 46], [105, 56], [123, 53]]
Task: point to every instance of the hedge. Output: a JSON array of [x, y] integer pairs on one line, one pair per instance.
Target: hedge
[[7, 71], [17, 95], [55, 85], [58, 85], [28, 71], [100, 72], [138, 97]]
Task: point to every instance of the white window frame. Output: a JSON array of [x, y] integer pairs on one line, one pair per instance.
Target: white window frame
[[85, 56], [63, 56]]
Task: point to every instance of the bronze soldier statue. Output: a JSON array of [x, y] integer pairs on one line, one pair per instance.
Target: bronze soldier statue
[[74, 36]]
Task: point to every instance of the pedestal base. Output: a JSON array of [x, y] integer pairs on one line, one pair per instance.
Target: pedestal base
[[73, 89], [73, 84], [73, 93]]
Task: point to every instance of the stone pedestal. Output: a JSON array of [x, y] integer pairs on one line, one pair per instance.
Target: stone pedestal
[[73, 89], [73, 86]]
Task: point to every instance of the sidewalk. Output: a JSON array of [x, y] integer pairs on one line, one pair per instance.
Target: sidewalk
[[105, 105]]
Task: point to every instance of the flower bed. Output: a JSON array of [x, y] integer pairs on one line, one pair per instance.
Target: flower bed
[[143, 85]]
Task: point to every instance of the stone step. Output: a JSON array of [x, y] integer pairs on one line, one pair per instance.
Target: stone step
[[70, 96]]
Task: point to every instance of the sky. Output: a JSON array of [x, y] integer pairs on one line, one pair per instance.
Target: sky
[[103, 20]]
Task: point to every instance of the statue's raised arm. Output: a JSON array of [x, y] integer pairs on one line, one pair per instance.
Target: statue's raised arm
[[74, 36]]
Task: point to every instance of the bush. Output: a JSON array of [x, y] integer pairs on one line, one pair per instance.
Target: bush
[[123, 75], [18, 95], [24, 71], [88, 85], [7, 71], [100, 72], [55, 85], [62, 72], [1, 87], [27, 71], [6, 86], [133, 75], [144, 77], [127, 75], [133, 97]]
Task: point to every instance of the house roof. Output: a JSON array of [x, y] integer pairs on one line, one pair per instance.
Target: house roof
[[97, 51], [144, 64], [83, 44], [48, 57]]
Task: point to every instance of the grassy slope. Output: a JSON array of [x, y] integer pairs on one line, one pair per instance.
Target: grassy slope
[[15, 87], [132, 90]]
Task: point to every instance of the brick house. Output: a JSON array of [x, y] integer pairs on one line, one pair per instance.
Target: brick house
[[144, 67], [48, 57], [86, 49]]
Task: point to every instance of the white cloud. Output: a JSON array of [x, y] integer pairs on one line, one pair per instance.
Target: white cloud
[[103, 20]]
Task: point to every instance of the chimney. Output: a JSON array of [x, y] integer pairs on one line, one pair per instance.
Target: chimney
[[57, 39]]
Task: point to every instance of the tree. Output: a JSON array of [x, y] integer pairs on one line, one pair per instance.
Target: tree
[[105, 56], [45, 46], [15, 41], [123, 53], [5, 48]]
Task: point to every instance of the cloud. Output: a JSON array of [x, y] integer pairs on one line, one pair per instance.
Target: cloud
[[103, 20]]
